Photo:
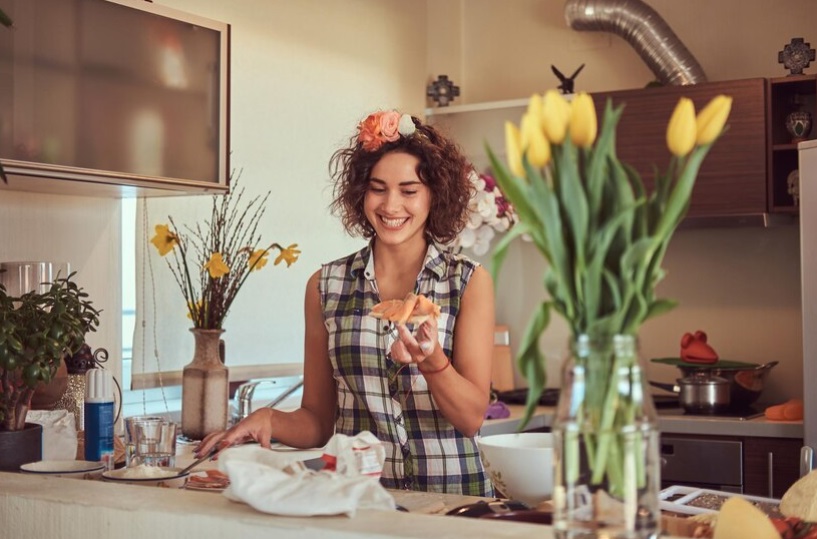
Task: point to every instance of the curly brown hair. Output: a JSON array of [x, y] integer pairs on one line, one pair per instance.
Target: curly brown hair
[[442, 167]]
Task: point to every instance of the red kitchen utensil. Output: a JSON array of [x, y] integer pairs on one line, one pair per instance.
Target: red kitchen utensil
[[695, 349]]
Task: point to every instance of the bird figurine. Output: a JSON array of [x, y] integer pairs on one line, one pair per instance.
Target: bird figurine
[[566, 85]]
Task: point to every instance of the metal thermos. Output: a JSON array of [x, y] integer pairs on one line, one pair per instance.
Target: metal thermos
[[99, 417]]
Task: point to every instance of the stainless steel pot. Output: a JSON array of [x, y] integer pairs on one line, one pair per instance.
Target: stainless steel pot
[[745, 384], [700, 393]]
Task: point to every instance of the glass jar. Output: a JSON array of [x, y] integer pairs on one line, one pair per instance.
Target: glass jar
[[607, 458]]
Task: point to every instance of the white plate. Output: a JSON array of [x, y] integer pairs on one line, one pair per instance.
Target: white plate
[[171, 481], [79, 469]]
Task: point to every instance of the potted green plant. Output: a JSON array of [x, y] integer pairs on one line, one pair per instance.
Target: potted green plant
[[36, 330]]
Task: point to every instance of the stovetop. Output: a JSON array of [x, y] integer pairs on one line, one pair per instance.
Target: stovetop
[[666, 405], [740, 415]]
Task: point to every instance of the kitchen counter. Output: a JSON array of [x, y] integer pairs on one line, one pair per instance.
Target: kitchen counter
[[42, 506], [670, 424]]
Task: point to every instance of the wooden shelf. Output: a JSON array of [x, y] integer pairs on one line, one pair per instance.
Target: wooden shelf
[[476, 107], [785, 95]]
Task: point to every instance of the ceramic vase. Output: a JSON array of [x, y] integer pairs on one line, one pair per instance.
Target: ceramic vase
[[205, 387], [606, 444], [798, 124]]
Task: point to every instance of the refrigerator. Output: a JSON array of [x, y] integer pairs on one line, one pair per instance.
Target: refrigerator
[[807, 155]]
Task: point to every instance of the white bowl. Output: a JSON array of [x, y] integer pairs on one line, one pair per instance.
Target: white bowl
[[76, 469], [171, 480], [520, 465]]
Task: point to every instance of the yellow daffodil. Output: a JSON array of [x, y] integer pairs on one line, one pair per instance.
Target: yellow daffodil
[[711, 119], [534, 143], [258, 259], [191, 307], [164, 240], [513, 149], [682, 130], [216, 266], [288, 255], [555, 116], [583, 123]]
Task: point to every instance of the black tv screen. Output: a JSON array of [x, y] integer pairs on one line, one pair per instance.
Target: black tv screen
[[114, 89]]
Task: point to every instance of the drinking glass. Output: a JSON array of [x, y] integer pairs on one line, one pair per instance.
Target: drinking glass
[[155, 443], [130, 434]]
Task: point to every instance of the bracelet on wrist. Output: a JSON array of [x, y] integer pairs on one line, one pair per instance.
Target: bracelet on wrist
[[435, 371]]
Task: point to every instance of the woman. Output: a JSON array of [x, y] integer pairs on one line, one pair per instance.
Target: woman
[[405, 187]]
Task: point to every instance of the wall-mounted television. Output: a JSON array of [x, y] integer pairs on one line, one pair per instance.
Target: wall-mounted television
[[119, 93]]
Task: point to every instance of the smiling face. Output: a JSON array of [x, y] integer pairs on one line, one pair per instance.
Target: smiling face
[[397, 203]]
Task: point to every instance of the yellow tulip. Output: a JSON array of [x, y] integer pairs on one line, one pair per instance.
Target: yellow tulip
[[216, 266], [512, 149], [258, 259], [164, 240], [535, 106], [534, 143], [288, 255], [555, 116], [583, 123], [681, 130], [712, 118]]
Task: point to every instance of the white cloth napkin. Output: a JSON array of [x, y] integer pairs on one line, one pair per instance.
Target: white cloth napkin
[[268, 481]]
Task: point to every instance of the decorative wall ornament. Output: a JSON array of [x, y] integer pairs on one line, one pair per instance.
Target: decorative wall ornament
[[793, 185], [566, 85], [442, 91], [645, 30], [798, 124], [796, 56]]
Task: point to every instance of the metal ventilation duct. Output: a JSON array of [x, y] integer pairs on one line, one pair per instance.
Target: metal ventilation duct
[[642, 28]]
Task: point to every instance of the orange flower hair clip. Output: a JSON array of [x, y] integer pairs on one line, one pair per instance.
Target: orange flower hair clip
[[384, 126]]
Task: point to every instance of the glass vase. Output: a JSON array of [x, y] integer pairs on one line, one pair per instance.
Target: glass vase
[[205, 387], [606, 441]]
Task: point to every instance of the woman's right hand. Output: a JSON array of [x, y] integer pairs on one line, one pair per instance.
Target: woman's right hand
[[257, 426]]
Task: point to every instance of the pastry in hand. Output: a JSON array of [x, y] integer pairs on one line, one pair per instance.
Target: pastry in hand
[[415, 309]]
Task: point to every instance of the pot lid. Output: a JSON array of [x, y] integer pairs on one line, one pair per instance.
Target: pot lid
[[720, 364]]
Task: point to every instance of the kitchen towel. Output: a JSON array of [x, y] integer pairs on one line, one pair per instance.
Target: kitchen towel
[[276, 482]]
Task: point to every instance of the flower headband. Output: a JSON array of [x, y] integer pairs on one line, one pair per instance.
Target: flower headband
[[384, 126]]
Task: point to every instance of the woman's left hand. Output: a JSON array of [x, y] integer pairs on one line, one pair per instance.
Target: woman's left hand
[[415, 348]]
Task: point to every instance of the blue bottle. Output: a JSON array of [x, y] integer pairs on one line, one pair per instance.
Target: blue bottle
[[99, 417]]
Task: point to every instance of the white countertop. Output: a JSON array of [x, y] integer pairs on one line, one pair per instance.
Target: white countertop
[[669, 424], [38, 506]]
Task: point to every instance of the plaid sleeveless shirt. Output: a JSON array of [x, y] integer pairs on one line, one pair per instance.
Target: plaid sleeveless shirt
[[423, 450]]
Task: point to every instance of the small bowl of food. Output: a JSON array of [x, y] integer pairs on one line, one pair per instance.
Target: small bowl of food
[[520, 465], [152, 476], [75, 469]]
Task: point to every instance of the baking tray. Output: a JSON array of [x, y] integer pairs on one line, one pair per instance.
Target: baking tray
[[678, 499]]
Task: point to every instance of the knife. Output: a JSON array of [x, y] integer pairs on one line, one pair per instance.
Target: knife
[[210, 454]]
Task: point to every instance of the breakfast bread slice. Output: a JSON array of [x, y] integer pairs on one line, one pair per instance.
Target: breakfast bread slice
[[414, 309]]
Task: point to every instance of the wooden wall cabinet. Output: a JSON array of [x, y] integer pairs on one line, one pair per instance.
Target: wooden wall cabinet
[[732, 179], [785, 96], [746, 171]]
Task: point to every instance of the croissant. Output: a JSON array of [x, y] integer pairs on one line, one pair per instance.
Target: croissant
[[414, 309]]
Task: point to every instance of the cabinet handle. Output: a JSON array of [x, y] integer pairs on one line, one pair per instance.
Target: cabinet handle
[[770, 464]]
